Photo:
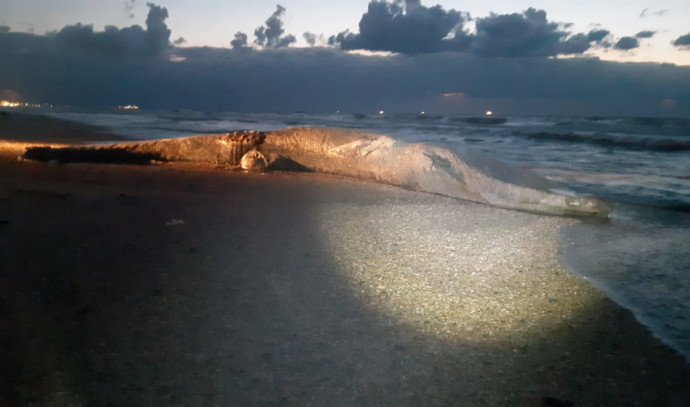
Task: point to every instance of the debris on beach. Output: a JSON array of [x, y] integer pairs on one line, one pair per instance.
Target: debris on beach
[[254, 161]]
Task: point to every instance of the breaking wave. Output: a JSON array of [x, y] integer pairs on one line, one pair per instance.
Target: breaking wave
[[629, 142]]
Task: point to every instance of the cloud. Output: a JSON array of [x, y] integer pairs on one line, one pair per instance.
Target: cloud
[[682, 41], [79, 38], [412, 5], [658, 13], [4, 29], [240, 40], [80, 67], [271, 34], [129, 7], [113, 41], [645, 34], [179, 41], [157, 33], [627, 43], [285, 41], [321, 79], [408, 29], [411, 28], [597, 35], [310, 38], [577, 44], [274, 25], [338, 38], [525, 34], [260, 35]]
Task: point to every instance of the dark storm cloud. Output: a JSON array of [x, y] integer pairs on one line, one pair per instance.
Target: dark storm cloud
[[408, 29], [338, 38], [682, 41], [627, 43], [115, 41], [179, 41], [274, 25], [645, 34], [577, 44], [270, 35], [411, 5], [415, 29], [111, 42], [240, 40], [157, 33], [597, 35], [525, 34], [322, 79], [77, 66]]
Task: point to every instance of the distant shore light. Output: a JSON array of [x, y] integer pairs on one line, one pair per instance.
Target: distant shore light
[[7, 103], [381, 112], [489, 112]]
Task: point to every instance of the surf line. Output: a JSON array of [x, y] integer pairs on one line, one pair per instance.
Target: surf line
[[359, 154]]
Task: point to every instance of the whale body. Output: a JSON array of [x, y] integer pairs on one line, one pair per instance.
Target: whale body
[[422, 167]]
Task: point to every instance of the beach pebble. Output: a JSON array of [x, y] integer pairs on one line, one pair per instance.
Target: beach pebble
[[254, 161]]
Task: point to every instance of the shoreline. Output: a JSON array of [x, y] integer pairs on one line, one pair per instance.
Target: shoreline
[[297, 289], [589, 259]]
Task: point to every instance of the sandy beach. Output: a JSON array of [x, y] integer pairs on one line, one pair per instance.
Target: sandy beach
[[180, 285]]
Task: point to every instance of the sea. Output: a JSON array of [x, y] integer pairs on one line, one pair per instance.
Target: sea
[[639, 165]]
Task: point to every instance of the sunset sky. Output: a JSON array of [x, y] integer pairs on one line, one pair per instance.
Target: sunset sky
[[543, 55], [214, 22]]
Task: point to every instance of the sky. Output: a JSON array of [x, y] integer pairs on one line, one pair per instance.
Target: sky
[[356, 54], [214, 22]]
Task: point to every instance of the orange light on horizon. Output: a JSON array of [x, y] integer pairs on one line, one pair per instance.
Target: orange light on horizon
[[454, 95], [7, 103], [668, 104]]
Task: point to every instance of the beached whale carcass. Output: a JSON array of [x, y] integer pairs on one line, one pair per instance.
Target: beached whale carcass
[[369, 156], [425, 167]]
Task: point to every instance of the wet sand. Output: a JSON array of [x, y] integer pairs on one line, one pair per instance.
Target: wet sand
[[178, 285]]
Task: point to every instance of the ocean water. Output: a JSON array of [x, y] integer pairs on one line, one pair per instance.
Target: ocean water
[[640, 166]]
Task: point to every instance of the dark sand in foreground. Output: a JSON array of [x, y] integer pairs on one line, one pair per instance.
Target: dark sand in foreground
[[178, 286]]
